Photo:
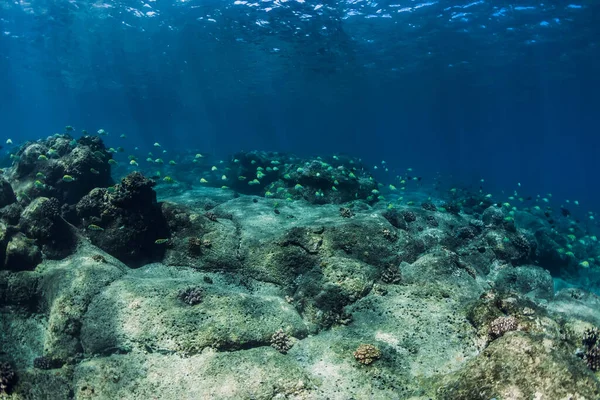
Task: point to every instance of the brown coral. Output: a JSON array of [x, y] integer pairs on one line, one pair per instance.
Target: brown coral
[[281, 342], [345, 212], [501, 325], [7, 377], [366, 354]]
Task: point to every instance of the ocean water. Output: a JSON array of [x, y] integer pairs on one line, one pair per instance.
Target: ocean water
[[503, 91], [465, 136]]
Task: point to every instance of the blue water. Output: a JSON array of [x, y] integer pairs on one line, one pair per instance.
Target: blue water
[[500, 91]]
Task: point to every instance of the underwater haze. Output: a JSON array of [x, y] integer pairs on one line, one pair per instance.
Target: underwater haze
[[505, 91], [299, 200]]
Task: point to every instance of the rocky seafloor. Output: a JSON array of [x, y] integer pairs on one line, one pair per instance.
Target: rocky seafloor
[[305, 284]]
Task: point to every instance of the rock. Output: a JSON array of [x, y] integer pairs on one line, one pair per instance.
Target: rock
[[66, 288], [227, 318], [7, 196], [41, 167], [529, 280], [125, 222], [493, 216], [22, 254], [41, 220], [521, 366]]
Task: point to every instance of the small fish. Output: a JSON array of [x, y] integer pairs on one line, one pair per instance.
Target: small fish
[[156, 144], [42, 157], [93, 227], [120, 149], [94, 171], [202, 180], [112, 162], [199, 156], [133, 162], [102, 132], [161, 241], [172, 162], [159, 161], [213, 168], [52, 153], [111, 150], [39, 175], [224, 177], [9, 141], [168, 179], [39, 184], [123, 136], [73, 143], [68, 178]]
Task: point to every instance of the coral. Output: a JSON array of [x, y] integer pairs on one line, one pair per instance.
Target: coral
[[395, 218], [522, 246], [127, 220], [335, 181], [211, 216], [99, 258], [590, 337], [367, 354], [431, 221], [591, 343], [7, 377], [492, 216], [42, 166], [281, 342], [194, 246], [192, 295], [134, 191], [501, 325], [452, 208], [44, 362], [408, 216], [346, 212], [466, 233], [391, 275], [389, 235], [429, 206], [592, 358]]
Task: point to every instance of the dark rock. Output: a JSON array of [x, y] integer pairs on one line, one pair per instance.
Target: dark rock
[[41, 168], [11, 213], [42, 221], [22, 254], [126, 222], [492, 216], [7, 196]]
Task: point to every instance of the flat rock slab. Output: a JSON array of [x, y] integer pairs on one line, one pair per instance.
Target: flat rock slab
[[143, 310]]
